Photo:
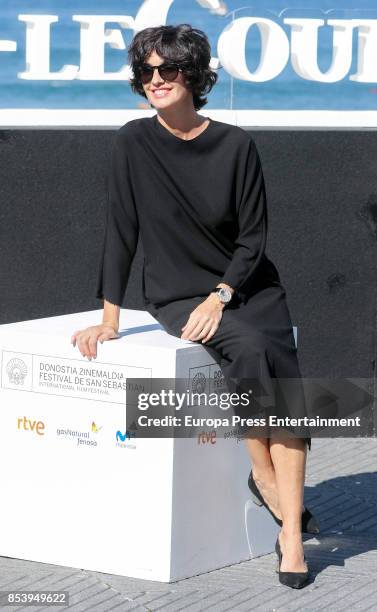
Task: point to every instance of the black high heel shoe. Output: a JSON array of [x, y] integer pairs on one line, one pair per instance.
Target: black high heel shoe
[[295, 580], [309, 523]]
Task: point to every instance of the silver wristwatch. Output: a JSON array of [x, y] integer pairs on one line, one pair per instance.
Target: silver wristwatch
[[224, 294]]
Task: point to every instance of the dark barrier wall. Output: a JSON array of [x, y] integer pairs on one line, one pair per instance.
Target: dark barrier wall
[[322, 206]]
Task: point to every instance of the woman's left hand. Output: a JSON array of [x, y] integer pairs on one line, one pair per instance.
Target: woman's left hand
[[204, 320]]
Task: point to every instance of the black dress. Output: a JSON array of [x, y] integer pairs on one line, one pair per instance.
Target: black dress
[[199, 207]]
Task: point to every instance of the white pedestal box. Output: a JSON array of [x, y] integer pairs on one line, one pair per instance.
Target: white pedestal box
[[77, 492]]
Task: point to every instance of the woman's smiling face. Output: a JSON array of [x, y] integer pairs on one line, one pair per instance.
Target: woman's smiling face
[[165, 94]]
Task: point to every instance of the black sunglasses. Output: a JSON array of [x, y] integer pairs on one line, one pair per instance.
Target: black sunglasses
[[168, 71]]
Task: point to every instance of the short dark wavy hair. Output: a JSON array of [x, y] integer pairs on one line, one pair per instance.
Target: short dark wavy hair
[[180, 43]]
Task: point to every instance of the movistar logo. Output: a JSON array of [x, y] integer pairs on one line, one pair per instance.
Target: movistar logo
[[122, 437]]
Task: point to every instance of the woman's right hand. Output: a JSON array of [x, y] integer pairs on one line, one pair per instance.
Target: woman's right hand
[[87, 339]]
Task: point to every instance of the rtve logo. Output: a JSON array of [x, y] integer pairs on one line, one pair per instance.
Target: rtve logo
[[207, 437], [29, 425]]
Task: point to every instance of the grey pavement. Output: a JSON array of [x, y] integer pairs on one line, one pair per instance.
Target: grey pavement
[[341, 488]]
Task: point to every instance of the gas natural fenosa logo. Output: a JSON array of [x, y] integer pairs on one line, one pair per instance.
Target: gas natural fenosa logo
[[84, 438]]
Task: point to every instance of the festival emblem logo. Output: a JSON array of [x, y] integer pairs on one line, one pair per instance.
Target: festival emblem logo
[[17, 371]]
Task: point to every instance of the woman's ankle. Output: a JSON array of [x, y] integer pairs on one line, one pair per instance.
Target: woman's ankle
[[291, 532], [264, 474]]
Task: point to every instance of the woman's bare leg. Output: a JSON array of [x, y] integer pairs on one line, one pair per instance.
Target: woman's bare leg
[[271, 461], [289, 458], [264, 471]]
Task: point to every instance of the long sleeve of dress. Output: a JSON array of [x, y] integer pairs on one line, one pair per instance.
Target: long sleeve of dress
[[252, 224], [122, 228]]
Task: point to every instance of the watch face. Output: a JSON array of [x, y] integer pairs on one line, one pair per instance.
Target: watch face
[[225, 295]]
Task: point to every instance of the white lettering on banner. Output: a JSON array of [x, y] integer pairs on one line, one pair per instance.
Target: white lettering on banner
[[38, 50], [304, 48], [276, 47], [154, 13], [275, 50], [8, 45], [367, 52], [93, 37]]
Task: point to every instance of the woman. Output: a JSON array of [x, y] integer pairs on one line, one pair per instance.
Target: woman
[[194, 190]]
